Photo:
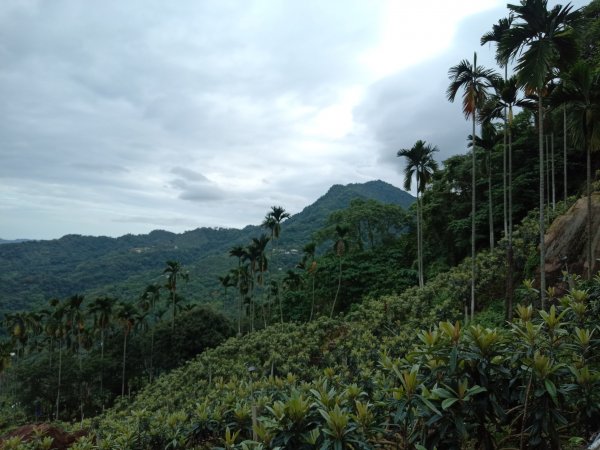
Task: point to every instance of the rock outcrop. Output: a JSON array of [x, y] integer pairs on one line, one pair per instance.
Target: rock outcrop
[[566, 239]]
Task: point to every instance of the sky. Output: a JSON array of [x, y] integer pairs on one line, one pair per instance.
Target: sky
[[128, 116]]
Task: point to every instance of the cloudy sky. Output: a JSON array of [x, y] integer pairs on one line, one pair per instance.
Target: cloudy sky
[[127, 116]]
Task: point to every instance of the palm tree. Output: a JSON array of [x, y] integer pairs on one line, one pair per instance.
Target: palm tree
[[34, 327], [75, 318], [256, 255], [311, 265], [501, 105], [126, 315], [475, 81], [148, 301], [245, 284], [238, 251], [102, 310], [15, 324], [421, 166], [273, 221], [6, 350], [292, 280], [539, 40], [226, 281], [76, 325], [59, 315], [339, 248], [174, 272], [496, 35], [251, 256], [580, 93], [487, 142]]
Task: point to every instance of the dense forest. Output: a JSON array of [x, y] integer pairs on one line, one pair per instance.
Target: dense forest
[[423, 325]]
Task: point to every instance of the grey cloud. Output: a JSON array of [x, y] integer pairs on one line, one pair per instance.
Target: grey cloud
[[102, 168], [412, 105], [160, 221], [194, 186], [189, 174], [201, 193]]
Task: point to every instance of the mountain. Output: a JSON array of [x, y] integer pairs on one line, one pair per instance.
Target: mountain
[[34, 271], [299, 228]]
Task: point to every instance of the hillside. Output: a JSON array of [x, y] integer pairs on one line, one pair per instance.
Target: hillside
[[369, 380], [33, 272]]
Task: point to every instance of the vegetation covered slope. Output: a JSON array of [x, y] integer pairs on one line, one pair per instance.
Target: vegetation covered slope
[[371, 380]]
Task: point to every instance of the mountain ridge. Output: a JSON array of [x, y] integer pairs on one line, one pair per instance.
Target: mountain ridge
[[32, 272]]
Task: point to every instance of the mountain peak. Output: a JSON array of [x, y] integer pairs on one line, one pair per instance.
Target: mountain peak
[[339, 196]]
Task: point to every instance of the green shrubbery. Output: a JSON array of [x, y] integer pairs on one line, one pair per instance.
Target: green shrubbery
[[368, 381]]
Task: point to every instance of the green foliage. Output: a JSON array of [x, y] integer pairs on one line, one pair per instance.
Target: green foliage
[[90, 378], [367, 381]]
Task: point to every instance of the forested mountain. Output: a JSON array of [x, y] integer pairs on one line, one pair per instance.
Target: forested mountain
[[299, 228], [35, 271]]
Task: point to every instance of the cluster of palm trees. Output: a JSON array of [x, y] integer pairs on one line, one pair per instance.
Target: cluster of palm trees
[[550, 74], [259, 288], [251, 276], [79, 328]]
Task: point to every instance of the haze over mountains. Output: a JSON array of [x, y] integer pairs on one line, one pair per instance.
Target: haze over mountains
[[32, 272], [12, 241]]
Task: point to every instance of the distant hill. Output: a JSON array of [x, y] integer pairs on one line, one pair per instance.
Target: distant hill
[[32, 272], [12, 241]]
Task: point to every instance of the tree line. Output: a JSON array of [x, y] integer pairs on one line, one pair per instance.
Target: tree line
[[554, 53], [76, 356]]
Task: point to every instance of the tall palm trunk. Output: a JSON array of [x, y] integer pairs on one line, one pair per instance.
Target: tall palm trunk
[[338, 289], [124, 360], [173, 296], [102, 366], [422, 278], [419, 249], [541, 205], [240, 307], [504, 175], [280, 303], [59, 378], [504, 157], [274, 241], [548, 174], [473, 162], [81, 388], [510, 281], [252, 309], [152, 345], [312, 305], [490, 204], [565, 152], [588, 183], [553, 174]]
